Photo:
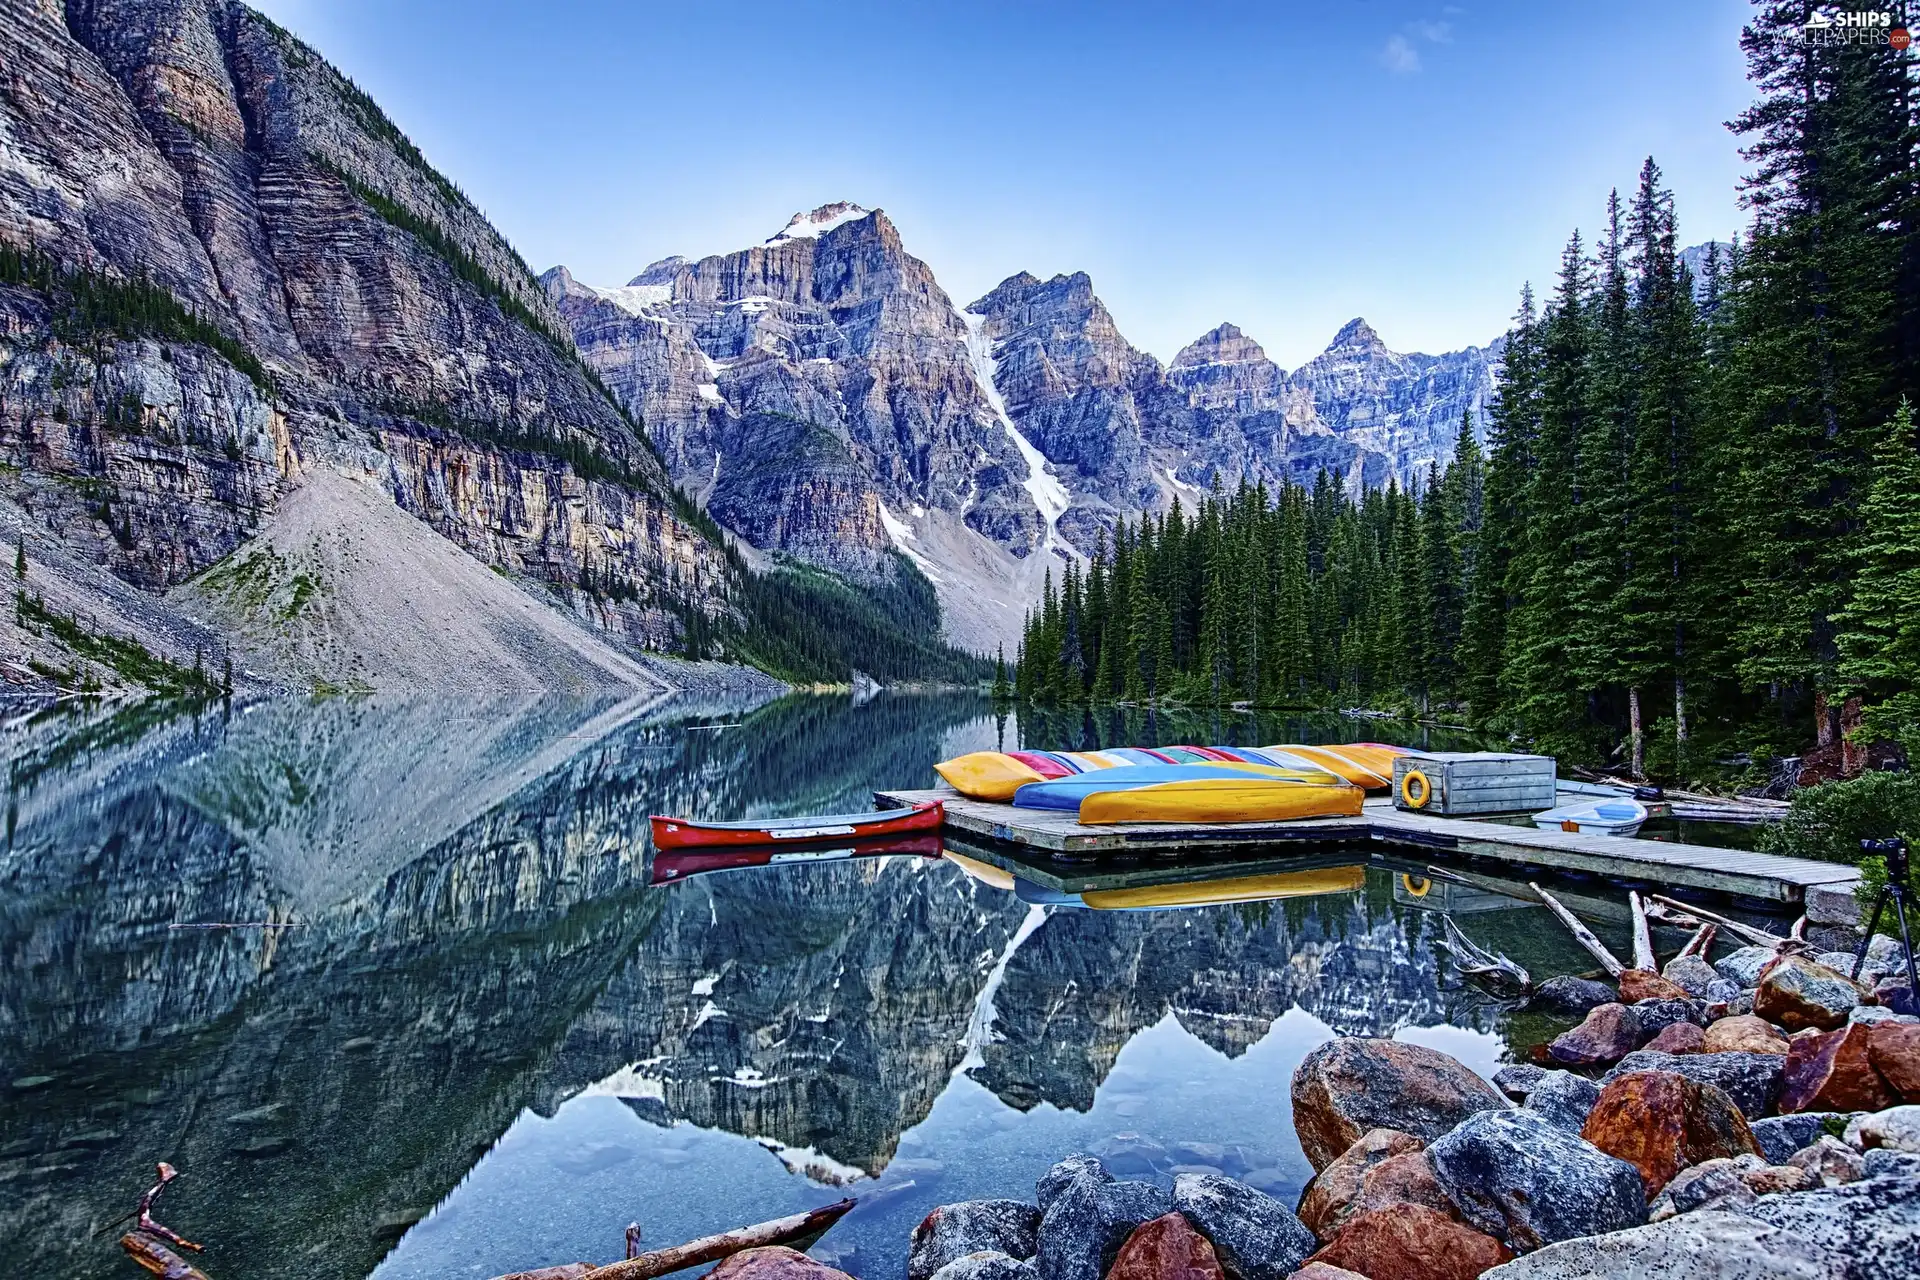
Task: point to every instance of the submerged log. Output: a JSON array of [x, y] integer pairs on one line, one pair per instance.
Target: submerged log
[[1581, 934], [1700, 915], [153, 1255], [796, 1230]]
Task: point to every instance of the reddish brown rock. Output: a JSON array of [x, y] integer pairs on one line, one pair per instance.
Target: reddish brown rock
[[1644, 984], [1412, 1242], [1681, 1037], [1610, 1033], [1401, 1180], [1796, 992], [1773, 1179], [1834, 1072], [1325, 1271], [1895, 1053], [1743, 1033], [1660, 1123], [1329, 1197], [1166, 1248], [775, 1262], [1352, 1084]]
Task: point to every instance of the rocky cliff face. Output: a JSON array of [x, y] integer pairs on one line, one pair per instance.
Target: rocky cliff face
[[818, 396], [195, 144]]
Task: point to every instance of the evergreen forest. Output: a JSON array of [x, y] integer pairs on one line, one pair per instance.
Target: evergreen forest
[[1692, 532]]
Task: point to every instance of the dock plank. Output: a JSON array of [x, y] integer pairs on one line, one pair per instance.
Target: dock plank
[[1059, 834]]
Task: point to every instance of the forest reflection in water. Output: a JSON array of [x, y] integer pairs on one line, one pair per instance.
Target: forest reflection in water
[[482, 1006]]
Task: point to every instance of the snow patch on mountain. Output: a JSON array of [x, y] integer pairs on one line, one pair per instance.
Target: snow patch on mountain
[[1045, 488], [634, 299], [807, 226]]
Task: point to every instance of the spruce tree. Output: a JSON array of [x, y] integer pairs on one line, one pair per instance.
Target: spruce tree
[[1879, 629]]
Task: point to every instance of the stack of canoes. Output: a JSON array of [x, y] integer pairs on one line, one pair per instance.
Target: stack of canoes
[[1179, 784]]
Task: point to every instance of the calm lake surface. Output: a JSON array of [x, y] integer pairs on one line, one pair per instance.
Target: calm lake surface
[[488, 1043]]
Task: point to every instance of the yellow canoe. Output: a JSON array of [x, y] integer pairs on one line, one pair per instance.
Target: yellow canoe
[[1222, 800], [1370, 767], [987, 775], [1201, 893]]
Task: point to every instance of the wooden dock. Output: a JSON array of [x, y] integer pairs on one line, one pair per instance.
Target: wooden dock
[[1059, 836]]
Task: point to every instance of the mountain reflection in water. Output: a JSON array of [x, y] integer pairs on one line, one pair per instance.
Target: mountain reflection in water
[[483, 1006]]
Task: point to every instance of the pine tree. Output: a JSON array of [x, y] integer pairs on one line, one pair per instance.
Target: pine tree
[[1001, 691], [20, 556], [1879, 629]]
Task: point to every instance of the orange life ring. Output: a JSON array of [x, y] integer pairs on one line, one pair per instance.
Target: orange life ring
[[1416, 799]]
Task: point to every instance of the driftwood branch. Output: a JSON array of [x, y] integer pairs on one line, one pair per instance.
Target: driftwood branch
[[1692, 914], [1491, 968], [153, 1255], [1643, 957], [797, 1229], [1701, 943], [1581, 934]]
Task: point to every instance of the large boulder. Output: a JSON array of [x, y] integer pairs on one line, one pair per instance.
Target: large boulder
[[1644, 984], [1518, 1079], [1256, 1237], [1830, 1160], [1743, 1033], [1352, 1084], [1874, 1224], [1403, 1180], [1797, 992], [1564, 1099], [1609, 1033], [1680, 1037], [1064, 1174], [971, 1226], [1692, 975], [1526, 1182], [988, 1265], [1088, 1220], [1326, 1200], [1695, 1246], [775, 1262], [1752, 1080], [1570, 995], [1884, 1162], [1657, 1015], [1410, 1242], [1780, 1136], [1166, 1248], [1660, 1123], [1325, 1271], [1895, 1053], [1744, 966], [1896, 1129], [1711, 1184], [1834, 1072]]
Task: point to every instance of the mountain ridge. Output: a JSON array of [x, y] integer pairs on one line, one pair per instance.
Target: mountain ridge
[[1038, 433]]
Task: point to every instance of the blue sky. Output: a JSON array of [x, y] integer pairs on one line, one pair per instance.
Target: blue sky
[[1282, 166]]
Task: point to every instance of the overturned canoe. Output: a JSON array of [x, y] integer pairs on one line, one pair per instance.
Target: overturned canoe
[[685, 833], [1364, 764], [1067, 793], [1250, 799]]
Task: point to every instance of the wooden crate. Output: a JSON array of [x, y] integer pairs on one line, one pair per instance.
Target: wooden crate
[[1465, 782]]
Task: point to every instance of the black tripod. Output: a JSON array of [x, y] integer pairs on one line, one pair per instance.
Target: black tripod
[[1896, 889]]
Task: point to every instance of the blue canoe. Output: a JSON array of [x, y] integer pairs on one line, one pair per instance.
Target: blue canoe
[[1067, 793]]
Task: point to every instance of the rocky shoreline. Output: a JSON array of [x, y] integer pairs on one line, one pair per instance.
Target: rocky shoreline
[[1754, 1117]]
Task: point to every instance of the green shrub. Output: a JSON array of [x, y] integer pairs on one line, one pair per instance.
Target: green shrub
[[1829, 821]]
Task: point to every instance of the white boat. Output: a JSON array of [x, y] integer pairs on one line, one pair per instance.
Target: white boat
[[1614, 816]]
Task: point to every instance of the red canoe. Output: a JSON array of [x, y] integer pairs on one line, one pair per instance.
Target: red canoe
[[670, 865], [683, 833]]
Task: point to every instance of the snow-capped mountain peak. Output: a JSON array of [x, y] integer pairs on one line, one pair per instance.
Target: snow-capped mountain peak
[[806, 226]]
